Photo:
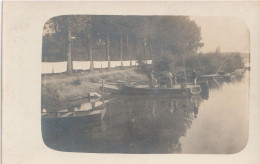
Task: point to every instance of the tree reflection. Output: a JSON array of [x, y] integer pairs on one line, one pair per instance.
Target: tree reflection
[[134, 124], [155, 124]]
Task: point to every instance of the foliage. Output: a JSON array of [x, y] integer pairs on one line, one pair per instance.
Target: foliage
[[53, 49], [146, 36], [76, 81], [209, 63], [143, 67], [162, 64]]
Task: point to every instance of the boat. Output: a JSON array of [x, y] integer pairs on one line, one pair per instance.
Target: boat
[[67, 115], [76, 119], [72, 121], [195, 90], [161, 91], [179, 89]]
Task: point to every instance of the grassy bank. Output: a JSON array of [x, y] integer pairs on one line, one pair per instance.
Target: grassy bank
[[59, 88]]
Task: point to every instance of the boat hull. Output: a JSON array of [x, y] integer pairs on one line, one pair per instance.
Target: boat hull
[[156, 91], [73, 123]]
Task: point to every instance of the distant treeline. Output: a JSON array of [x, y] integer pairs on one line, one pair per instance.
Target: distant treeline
[[68, 38], [170, 41], [206, 63], [209, 63]]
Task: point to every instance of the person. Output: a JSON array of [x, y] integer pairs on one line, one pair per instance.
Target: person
[[170, 79], [194, 76], [175, 79], [151, 80], [183, 84]]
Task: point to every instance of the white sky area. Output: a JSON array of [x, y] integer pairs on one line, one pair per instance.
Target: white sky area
[[228, 33]]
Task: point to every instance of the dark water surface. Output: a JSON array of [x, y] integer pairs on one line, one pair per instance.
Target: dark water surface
[[157, 124]]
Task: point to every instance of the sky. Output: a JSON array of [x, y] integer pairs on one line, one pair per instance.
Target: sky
[[228, 33]]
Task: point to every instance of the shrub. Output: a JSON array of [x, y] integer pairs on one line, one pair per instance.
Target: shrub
[[76, 82], [162, 64], [94, 79]]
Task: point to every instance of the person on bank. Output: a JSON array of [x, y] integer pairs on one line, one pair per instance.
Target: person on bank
[[194, 76], [175, 80], [170, 79], [151, 80]]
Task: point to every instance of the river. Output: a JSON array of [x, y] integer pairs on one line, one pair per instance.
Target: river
[[213, 124]]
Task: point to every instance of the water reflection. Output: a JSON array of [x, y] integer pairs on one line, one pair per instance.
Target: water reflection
[[134, 124], [222, 123], [130, 124]]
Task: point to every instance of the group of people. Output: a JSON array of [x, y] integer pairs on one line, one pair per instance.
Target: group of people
[[171, 79]]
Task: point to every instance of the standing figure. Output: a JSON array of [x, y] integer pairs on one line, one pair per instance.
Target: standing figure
[[151, 80], [175, 80], [194, 76], [170, 79]]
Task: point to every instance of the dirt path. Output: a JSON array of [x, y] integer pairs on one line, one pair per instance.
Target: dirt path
[[63, 78]]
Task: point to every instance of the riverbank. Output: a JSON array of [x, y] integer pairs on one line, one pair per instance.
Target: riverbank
[[60, 88], [57, 88]]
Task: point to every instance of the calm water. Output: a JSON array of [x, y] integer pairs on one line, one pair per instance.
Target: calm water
[[157, 124]]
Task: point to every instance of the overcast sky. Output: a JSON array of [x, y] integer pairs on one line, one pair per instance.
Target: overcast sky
[[228, 33]]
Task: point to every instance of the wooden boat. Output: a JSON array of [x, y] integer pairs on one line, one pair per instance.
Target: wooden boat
[[195, 90], [73, 120], [74, 115], [177, 90], [155, 91]]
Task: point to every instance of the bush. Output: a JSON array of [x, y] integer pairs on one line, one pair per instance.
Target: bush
[[209, 63], [94, 79], [162, 64], [76, 82], [143, 67]]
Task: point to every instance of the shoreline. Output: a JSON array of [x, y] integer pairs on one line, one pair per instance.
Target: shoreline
[[60, 88]]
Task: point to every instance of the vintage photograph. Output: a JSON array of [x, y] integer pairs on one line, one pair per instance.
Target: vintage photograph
[[145, 84]]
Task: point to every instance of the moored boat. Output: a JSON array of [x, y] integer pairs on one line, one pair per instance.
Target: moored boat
[[195, 90], [71, 121], [78, 118], [156, 91]]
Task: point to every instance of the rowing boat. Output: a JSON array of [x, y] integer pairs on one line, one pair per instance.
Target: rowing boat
[[155, 91], [70, 120], [177, 90], [195, 90]]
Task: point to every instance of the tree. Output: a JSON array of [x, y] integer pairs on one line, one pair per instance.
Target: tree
[[105, 27], [63, 27], [124, 26], [87, 37], [119, 37]]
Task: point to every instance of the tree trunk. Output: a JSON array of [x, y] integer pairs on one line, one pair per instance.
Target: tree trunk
[[127, 50], [121, 49], [91, 59], [151, 54], [145, 51], [136, 47], [107, 51], [68, 42], [90, 54], [150, 51]]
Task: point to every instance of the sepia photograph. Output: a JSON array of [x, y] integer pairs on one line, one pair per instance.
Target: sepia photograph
[[136, 82], [145, 84]]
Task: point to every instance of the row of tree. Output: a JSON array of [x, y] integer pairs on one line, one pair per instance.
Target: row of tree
[[118, 37]]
